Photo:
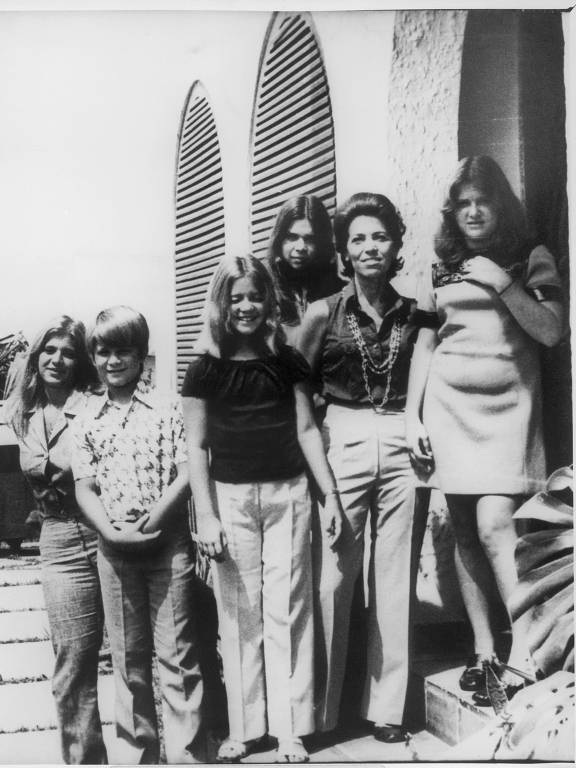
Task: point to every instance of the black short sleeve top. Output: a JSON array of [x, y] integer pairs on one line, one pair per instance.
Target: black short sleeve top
[[251, 413]]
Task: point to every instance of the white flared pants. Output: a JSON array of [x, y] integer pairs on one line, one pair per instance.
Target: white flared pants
[[368, 455], [264, 596]]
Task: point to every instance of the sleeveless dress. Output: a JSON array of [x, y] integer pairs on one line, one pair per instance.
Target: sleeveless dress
[[483, 405]]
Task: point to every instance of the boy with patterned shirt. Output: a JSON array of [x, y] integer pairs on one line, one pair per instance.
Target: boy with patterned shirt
[[132, 486]]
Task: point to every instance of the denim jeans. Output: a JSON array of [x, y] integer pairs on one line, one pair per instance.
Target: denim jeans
[[73, 603], [148, 602]]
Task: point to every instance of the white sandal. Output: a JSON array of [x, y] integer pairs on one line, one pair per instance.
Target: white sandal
[[291, 751]]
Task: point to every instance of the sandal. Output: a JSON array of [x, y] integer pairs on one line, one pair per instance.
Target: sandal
[[472, 679], [232, 750], [481, 697], [390, 734], [291, 751]]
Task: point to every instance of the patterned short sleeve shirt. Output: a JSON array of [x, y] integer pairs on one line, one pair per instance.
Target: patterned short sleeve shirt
[[132, 451]]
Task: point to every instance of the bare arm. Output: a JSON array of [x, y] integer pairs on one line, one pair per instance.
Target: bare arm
[[171, 501], [311, 443], [416, 436], [211, 536], [542, 320]]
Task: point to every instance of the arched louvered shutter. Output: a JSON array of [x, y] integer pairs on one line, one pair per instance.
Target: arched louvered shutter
[[292, 129], [199, 218]]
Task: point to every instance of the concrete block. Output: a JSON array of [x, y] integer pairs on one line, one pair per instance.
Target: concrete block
[[441, 713], [29, 706], [24, 625], [11, 577], [472, 719], [22, 661], [43, 747], [23, 597]]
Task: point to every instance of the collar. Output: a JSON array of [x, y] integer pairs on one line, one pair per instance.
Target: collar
[[75, 403], [144, 393], [397, 302]]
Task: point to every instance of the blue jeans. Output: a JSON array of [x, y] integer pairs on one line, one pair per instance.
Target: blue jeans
[[148, 602], [73, 603]]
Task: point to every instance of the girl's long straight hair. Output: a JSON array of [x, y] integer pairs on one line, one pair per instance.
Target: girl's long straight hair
[[512, 231], [320, 278], [218, 336], [29, 392]]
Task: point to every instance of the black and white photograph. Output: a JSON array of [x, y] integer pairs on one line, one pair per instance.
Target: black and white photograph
[[285, 383]]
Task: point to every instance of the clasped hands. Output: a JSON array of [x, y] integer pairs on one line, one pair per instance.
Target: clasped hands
[[136, 532]]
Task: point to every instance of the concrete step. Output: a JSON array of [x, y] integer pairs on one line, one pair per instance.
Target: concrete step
[[43, 747], [24, 661], [30, 706], [11, 577], [24, 625], [450, 713], [24, 597]]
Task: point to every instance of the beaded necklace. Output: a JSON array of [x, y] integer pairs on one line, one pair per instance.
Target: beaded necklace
[[369, 365]]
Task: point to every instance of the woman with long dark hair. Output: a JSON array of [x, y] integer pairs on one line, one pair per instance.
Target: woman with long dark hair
[[301, 259], [474, 401], [49, 393]]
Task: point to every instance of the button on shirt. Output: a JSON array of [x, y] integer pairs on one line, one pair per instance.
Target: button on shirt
[[45, 460], [131, 450], [341, 363]]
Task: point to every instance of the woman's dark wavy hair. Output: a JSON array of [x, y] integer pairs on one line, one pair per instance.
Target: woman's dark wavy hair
[[29, 390], [320, 278], [369, 204], [512, 231]]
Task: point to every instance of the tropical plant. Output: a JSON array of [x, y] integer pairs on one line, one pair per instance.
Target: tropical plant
[[538, 723], [544, 596]]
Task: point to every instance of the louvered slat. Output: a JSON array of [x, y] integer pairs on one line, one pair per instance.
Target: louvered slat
[[199, 219], [292, 150]]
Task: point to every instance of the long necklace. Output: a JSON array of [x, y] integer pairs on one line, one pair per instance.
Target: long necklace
[[368, 364]]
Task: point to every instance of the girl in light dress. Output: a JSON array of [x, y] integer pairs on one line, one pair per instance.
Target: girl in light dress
[[474, 398]]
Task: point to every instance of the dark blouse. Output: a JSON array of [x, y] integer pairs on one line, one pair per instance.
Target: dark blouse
[[251, 414], [340, 367]]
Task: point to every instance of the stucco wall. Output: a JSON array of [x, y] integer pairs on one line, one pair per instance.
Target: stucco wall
[[423, 124], [423, 106]]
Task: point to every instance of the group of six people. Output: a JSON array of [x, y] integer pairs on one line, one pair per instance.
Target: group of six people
[[315, 405]]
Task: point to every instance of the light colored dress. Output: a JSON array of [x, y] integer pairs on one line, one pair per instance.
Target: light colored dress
[[482, 405]]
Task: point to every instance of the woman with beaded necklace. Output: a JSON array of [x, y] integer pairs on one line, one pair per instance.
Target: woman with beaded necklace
[[360, 342]]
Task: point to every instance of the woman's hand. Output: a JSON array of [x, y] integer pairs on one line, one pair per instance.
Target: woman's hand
[[331, 515], [419, 447], [211, 538], [130, 536], [486, 272]]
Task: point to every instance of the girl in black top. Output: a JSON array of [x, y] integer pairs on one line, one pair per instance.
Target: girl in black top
[[250, 433], [301, 259]]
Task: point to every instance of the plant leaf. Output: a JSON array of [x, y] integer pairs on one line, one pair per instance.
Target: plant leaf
[[496, 691], [541, 546], [544, 506]]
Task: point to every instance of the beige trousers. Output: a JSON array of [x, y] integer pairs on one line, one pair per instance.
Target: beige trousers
[[264, 596], [367, 452]]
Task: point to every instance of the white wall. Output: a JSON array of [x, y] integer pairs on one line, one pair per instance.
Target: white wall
[[91, 104]]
